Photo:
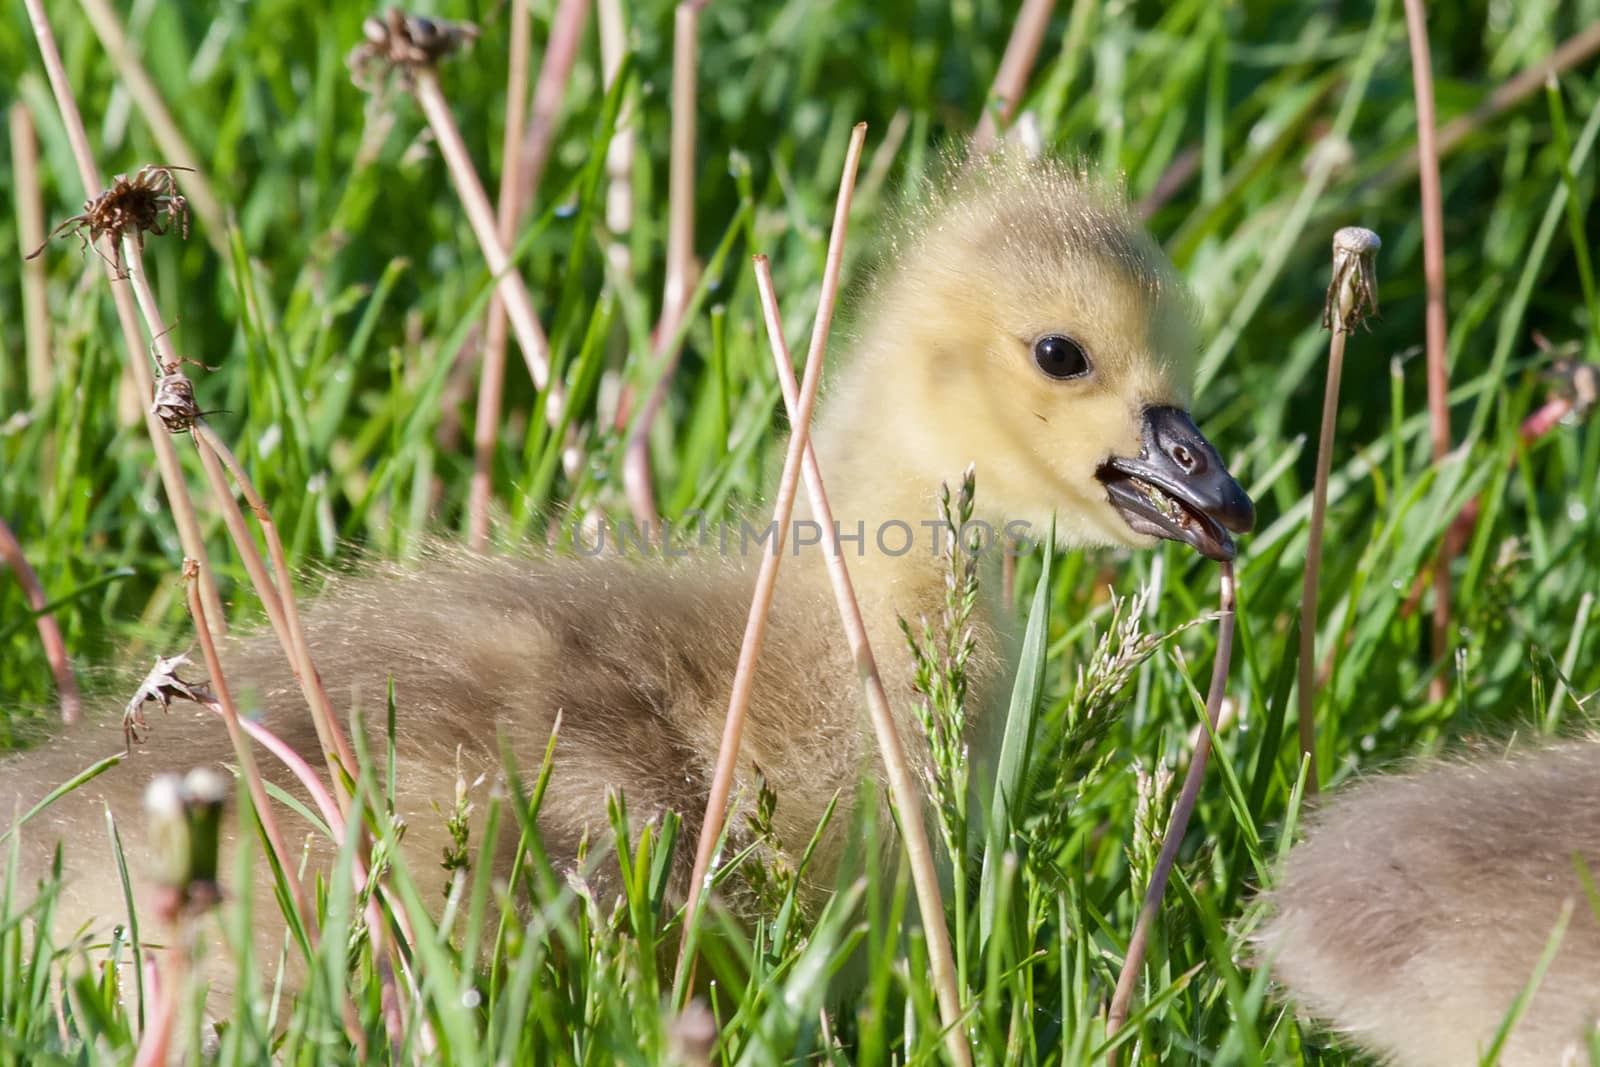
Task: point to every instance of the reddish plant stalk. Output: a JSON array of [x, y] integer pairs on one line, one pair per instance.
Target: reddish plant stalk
[[1437, 329], [766, 576], [1178, 824], [680, 267], [224, 707], [492, 372], [55, 649], [1011, 80], [519, 307], [904, 791], [31, 232], [183, 514], [525, 151]]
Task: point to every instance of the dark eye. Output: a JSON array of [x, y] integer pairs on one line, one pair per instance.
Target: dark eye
[[1060, 357]]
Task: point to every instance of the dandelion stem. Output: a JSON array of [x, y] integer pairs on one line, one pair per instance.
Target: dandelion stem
[[492, 371], [767, 574], [223, 706], [1011, 80], [329, 734], [1352, 294], [680, 257], [903, 788], [1437, 336], [525, 149], [183, 514], [55, 649], [31, 232], [530, 335]]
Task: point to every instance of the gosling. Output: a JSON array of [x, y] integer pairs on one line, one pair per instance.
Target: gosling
[[1027, 326], [1417, 911]]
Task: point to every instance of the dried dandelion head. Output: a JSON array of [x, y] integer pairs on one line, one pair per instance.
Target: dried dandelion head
[[1353, 291], [148, 202], [163, 686], [174, 402], [1578, 382], [400, 44]]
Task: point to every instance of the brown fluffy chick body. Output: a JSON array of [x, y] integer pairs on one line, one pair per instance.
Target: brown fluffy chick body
[[638, 657], [1419, 905]]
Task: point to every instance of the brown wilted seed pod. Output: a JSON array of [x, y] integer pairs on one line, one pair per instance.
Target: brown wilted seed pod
[[163, 686], [1578, 381], [147, 202], [174, 404], [401, 44], [1353, 291]]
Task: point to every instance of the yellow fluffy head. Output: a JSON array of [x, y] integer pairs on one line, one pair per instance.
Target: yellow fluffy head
[[1011, 255]]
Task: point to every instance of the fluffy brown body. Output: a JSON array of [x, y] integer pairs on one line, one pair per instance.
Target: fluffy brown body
[[1418, 907], [638, 657]]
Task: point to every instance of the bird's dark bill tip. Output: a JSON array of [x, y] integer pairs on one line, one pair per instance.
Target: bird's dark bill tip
[[1177, 487], [1149, 509]]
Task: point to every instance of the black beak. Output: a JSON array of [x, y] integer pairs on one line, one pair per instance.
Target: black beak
[[1178, 488]]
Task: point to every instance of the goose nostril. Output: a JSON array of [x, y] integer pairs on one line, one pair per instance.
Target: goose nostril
[[1184, 457]]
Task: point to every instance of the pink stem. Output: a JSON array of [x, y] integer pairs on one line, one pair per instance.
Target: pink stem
[[1178, 824], [55, 649]]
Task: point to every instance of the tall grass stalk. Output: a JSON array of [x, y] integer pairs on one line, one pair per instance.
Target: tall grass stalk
[[1178, 823], [183, 514], [767, 573], [1437, 337], [903, 787], [680, 266], [55, 649]]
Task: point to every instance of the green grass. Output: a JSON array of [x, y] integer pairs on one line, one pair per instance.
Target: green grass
[[350, 288]]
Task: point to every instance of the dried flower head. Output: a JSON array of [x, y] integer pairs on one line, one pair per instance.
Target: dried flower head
[[163, 686], [174, 403], [1579, 382], [1353, 292], [401, 44], [149, 202]]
